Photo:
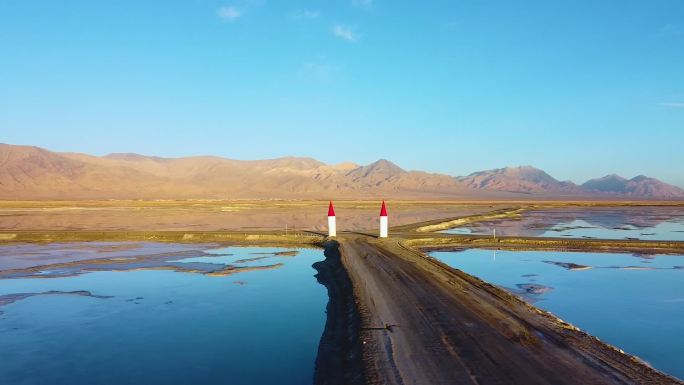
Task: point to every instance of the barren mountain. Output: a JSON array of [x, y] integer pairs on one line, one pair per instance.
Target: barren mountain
[[524, 179], [640, 186], [33, 173]]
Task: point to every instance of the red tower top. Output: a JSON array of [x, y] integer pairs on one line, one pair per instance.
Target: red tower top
[[383, 210], [331, 210]]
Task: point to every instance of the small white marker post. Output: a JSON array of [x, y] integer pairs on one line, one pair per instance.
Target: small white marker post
[[383, 221], [332, 223]]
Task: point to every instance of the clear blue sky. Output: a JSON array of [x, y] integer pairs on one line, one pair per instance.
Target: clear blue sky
[[579, 88]]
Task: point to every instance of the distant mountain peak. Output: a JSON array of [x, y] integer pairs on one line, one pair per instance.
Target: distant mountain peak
[[521, 168], [639, 186], [28, 172], [641, 178], [613, 177], [379, 168], [295, 162], [131, 156], [386, 164], [529, 173], [519, 179]]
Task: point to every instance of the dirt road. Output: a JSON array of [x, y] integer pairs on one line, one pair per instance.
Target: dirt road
[[423, 322]]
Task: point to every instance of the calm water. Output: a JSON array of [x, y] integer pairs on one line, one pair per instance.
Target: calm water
[[168, 327], [646, 223], [634, 303]]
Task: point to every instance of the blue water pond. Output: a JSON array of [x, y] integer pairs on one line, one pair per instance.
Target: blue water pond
[[167, 327]]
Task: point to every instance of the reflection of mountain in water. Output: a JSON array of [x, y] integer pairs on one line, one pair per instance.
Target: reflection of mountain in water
[[638, 217], [539, 223]]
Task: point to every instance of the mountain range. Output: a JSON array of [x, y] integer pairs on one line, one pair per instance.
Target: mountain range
[[28, 172]]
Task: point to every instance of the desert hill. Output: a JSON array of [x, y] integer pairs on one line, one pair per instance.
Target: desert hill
[[28, 172]]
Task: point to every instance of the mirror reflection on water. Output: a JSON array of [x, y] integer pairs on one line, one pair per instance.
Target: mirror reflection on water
[[644, 223], [220, 315]]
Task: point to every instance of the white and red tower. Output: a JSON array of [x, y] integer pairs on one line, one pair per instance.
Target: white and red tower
[[383, 221], [332, 223]]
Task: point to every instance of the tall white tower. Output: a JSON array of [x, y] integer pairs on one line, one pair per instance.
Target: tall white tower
[[383, 221], [332, 223]]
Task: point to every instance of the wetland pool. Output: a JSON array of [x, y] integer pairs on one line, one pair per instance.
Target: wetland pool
[[644, 223], [151, 313]]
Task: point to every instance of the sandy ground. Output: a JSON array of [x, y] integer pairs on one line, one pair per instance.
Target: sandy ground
[[219, 215]]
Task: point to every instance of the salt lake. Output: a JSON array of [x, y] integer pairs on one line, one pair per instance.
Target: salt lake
[[203, 314]]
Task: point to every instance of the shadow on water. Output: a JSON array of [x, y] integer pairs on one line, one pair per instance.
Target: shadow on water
[[339, 360]]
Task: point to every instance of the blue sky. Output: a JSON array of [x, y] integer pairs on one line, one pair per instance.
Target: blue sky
[[578, 88]]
